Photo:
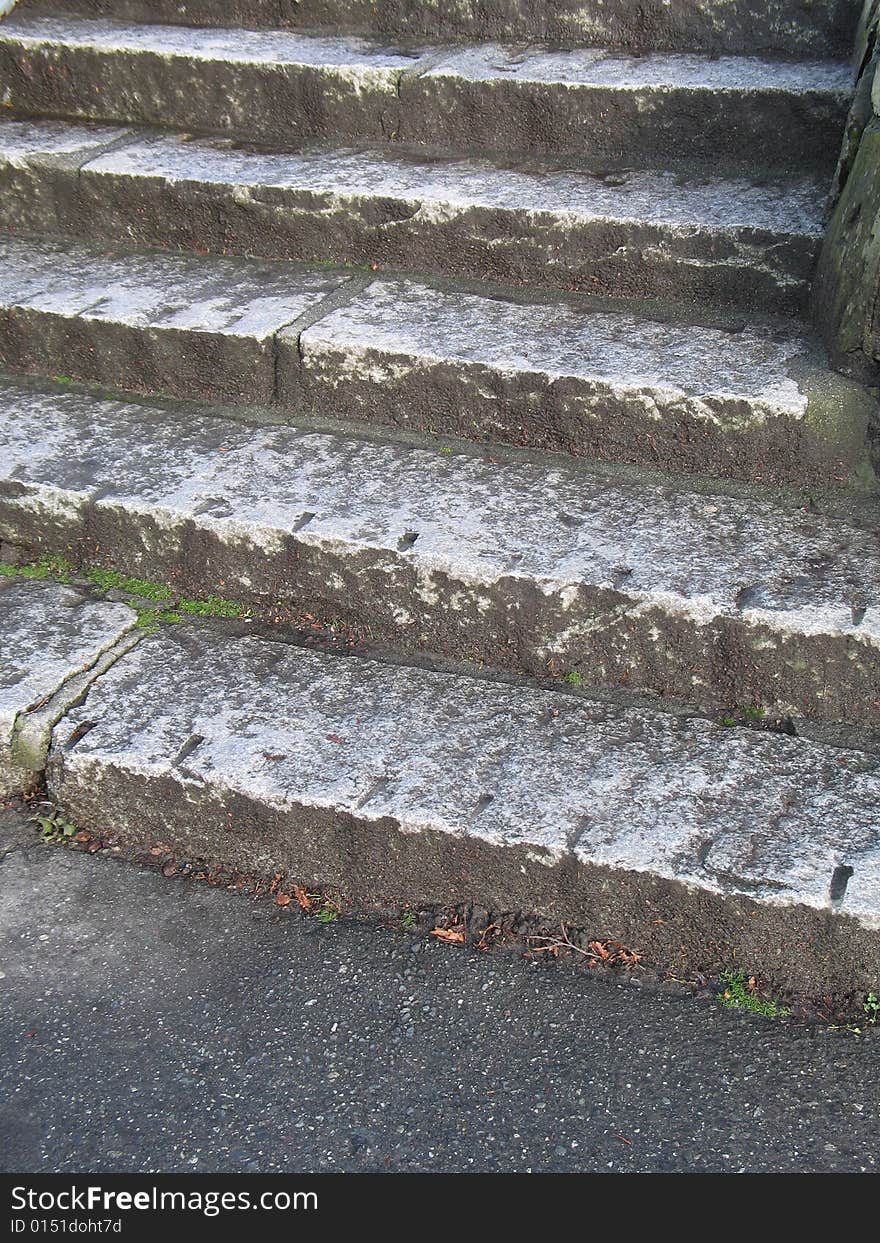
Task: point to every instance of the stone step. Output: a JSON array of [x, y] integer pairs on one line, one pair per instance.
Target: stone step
[[791, 27], [753, 403], [688, 237], [283, 87], [152, 322], [685, 842], [520, 564]]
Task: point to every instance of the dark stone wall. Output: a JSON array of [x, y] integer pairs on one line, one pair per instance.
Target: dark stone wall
[[846, 291]]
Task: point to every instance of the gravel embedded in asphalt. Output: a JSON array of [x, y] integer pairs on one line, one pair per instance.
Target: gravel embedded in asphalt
[[159, 1025]]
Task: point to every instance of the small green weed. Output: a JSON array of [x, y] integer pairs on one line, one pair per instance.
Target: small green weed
[[573, 679], [46, 567], [55, 827], [872, 1008], [211, 606], [740, 993], [111, 580]]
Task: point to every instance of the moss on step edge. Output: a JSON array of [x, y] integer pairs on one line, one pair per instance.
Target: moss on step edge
[[150, 614]]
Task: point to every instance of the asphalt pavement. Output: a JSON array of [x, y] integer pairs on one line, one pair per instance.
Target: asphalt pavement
[[152, 1024]]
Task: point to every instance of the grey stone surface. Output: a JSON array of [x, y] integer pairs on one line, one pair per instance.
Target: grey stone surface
[[754, 403], [48, 635], [792, 27], [284, 87], [591, 101], [271, 85], [39, 167], [153, 322], [374, 779], [166, 1022], [518, 563], [699, 237]]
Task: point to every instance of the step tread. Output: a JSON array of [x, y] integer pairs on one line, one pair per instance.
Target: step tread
[[599, 67], [753, 401], [407, 319], [783, 204], [654, 70], [242, 297], [49, 633], [25, 142], [276, 47], [477, 518], [229, 297], [716, 25], [291, 730]]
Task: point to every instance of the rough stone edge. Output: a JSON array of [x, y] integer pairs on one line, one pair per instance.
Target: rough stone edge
[[692, 930], [640, 29], [32, 729]]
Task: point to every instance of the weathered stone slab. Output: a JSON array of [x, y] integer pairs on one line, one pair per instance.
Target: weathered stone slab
[[639, 233], [267, 85], [378, 780], [614, 107], [49, 635], [273, 86], [151, 322], [39, 167], [793, 27], [753, 404], [518, 564]]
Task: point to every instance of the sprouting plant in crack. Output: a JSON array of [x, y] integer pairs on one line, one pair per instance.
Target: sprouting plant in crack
[[112, 580], [871, 1008], [739, 992], [573, 679], [56, 568], [211, 606], [408, 921], [54, 826], [328, 913]]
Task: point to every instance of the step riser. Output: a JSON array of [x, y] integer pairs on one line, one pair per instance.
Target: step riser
[[508, 625], [569, 416], [199, 365], [738, 266], [687, 929], [607, 124], [524, 588], [820, 29], [286, 104]]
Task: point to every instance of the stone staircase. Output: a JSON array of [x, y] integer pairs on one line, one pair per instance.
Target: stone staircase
[[475, 334]]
